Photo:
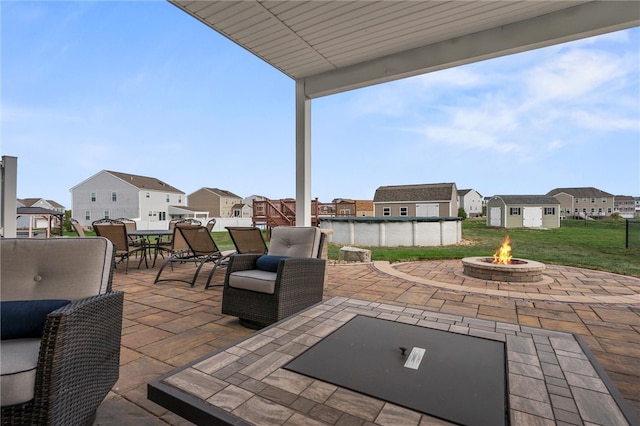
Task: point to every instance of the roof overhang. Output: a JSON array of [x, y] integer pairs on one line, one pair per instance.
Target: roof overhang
[[335, 46]]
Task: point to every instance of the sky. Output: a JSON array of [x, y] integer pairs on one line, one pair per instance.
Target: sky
[[143, 88]]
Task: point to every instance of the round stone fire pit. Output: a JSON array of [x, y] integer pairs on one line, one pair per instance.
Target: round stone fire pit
[[518, 270]]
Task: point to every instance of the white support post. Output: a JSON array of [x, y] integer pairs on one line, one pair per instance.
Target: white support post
[[303, 156], [8, 196]]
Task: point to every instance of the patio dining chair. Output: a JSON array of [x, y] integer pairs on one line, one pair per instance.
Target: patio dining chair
[[116, 232], [200, 249]]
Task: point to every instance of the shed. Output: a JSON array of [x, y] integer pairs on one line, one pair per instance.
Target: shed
[[523, 211], [424, 200]]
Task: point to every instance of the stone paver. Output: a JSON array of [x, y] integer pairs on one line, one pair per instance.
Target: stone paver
[[605, 312]]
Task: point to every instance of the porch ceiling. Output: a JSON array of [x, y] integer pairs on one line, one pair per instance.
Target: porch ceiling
[[334, 46]]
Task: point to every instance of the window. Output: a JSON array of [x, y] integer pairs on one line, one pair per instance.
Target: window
[[386, 211], [107, 214], [114, 196], [179, 199], [168, 198], [549, 210], [577, 200], [162, 215], [363, 213], [593, 200], [404, 211], [237, 213], [593, 210], [148, 195], [93, 197], [609, 210], [87, 215], [150, 213], [514, 211], [604, 199]]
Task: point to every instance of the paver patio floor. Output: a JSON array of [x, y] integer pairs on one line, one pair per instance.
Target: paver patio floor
[[169, 324]]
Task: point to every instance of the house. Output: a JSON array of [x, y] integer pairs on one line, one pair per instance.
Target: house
[[110, 194], [350, 207], [471, 201], [425, 200], [218, 202], [625, 206], [583, 202], [523, 211]]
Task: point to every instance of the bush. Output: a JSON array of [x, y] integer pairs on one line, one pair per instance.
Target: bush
[[462, 213]]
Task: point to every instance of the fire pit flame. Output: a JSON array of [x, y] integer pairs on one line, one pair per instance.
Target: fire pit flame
[[503, 255]]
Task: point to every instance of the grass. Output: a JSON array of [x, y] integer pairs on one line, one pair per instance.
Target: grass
[[594, 244]]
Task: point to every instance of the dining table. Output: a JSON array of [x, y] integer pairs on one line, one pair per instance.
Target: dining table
[[146, 235]]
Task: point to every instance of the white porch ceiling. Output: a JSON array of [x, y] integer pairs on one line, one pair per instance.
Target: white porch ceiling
[[334, 46]]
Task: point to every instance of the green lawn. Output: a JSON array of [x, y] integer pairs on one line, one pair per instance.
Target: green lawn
[[594, 244]]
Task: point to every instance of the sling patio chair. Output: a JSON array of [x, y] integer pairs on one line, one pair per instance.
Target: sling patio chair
[[77, 227], [200, 249], [211, 224], [247, 239], [116, 232], [261, 289]]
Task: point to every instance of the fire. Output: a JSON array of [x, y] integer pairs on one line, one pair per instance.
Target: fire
[[503, 255]]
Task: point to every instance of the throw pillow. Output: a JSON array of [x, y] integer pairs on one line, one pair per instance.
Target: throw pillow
[[25, 318], [269, 263]]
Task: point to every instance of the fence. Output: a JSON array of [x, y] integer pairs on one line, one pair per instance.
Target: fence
[[632, 233]]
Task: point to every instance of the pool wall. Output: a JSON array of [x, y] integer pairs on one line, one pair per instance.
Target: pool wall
[[393, 231]]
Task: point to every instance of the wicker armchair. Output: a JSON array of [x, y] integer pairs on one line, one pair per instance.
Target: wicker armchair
[[60, 375], [263, 289]]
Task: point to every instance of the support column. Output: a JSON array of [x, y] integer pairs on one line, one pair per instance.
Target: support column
[[303, 156], [8, 196]]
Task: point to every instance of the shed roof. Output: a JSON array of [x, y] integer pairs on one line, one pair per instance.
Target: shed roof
[[528, 199], [417, 193]]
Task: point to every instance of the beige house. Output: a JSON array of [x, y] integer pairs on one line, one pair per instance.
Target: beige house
[[583, 202], [426, 200], [218, 202], [625, 205], [523, 211]]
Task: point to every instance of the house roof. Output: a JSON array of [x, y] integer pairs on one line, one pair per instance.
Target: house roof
[[424, 192], [588, 192], [342, 45], [37, 211], [528, 199], [144, 182], [222, 192]]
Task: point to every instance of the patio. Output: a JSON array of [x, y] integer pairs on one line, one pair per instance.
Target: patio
[[169, 324]]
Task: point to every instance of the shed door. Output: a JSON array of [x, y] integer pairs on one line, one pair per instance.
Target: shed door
[[495, 216], [532, 217], [427, 210]]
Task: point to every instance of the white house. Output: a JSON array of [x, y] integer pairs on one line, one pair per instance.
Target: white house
[[471, 201], [109, 194]]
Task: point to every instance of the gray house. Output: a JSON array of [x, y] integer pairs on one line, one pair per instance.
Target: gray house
[[110, 194], [523, 211], [426, 200]]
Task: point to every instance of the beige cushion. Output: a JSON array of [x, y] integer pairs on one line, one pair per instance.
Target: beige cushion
[[295, 241], [54, 268], [18, 370], [254, 280]]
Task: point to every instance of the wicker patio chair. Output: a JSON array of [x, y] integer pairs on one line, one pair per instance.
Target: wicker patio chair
[[58, 365], [116, 232], [262, 289], [201, 249]]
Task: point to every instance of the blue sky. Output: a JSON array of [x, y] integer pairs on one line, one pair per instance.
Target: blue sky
[[143, 88]]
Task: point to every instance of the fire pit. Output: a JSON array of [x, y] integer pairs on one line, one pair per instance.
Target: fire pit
[[502, 267]]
